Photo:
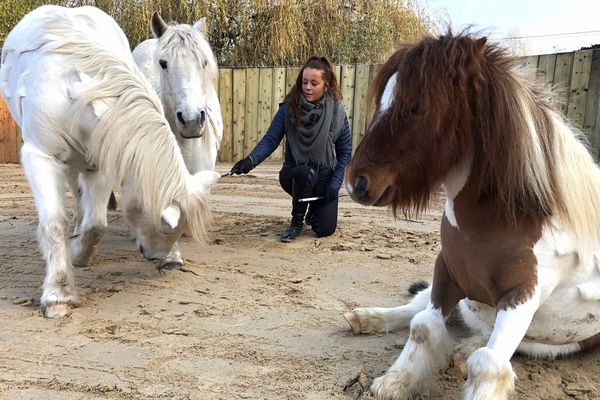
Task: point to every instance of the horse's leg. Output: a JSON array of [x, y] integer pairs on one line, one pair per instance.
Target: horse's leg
[[46, 177], [491, 376], [428, 348], [76, 196], [380, 319], [173, 260], [429, 344], [95, 192]]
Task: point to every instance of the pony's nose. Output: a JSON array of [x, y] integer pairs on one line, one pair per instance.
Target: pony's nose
[[142, 250], [360, 186], [202, 117]]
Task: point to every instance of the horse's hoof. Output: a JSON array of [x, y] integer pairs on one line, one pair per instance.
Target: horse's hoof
[[56, 311], [353, 322], [171, 266]]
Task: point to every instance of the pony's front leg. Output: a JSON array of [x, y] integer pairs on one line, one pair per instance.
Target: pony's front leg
[[173, 260], [428, 349], [380, 319], [46, 177], [95, 191], [491, 376]]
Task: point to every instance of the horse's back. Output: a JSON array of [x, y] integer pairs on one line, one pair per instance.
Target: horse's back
[[51, 23], [143, 55], [37, 79]]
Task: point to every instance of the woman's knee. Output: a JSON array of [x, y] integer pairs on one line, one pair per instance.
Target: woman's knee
[[323, 231]]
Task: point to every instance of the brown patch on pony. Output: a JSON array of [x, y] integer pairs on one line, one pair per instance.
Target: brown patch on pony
[[590, 344], [460, 94]]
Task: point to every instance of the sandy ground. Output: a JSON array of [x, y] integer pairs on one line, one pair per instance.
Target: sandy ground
[[252, 318]]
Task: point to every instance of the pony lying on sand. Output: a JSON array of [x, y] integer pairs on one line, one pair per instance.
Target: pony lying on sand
[[180, 65], [520, 235], [86, 111]]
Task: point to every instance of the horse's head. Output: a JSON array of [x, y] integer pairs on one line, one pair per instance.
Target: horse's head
[[187, 72], [155, 236], [422, 124]]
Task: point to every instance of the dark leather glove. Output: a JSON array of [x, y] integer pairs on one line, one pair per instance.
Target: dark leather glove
[[330, 194], [243, 166]]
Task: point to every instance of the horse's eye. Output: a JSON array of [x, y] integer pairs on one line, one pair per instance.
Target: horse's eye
[[205, 64], [163, 64]]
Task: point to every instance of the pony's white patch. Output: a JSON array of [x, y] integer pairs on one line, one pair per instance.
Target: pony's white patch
[[453, 184], [388, 94], [511, 325], [590, 291], [171, 216]]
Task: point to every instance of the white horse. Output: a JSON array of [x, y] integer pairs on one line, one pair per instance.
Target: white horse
[[71, 84], [180, 65]]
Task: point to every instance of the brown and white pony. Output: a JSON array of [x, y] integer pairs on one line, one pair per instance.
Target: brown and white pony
[[521, 227]]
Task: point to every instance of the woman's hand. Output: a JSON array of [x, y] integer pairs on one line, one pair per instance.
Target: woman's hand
[[243, 166]]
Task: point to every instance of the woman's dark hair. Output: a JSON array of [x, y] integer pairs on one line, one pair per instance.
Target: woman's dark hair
[[333, 87]]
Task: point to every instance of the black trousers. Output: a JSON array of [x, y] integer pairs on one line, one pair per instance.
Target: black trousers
[[306, 181]]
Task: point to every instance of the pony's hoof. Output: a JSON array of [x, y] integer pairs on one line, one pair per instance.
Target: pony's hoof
[[353, 322], [171, 266], [56, 311], [391, 386]]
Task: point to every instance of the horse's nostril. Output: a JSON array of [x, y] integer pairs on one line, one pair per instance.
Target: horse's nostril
[[180, 118], [202, 117], [360, 185]]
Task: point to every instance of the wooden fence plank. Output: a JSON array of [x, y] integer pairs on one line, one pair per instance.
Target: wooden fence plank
[[291, 73], [225, 98], [347, 87], [252, 97], [361, 84], [580, 79], [562, 81], [546, 65], [265, 102], [591, 122], [239, 113], [279, 93]]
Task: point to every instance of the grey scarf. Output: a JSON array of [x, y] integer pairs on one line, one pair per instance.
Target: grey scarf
[[313, 142]]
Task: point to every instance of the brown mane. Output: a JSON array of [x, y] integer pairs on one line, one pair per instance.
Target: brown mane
[[468, 96]]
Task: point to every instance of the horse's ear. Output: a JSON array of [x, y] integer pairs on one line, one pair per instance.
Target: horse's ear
[[479, 45], [171, 215], [201, 26], [158, 25]]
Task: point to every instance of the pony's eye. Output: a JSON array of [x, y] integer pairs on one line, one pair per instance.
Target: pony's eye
[[163, 64]]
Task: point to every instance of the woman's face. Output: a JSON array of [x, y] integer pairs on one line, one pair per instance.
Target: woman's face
[[313, 85]]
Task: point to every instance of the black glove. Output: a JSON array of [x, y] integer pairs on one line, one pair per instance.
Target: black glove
[[331, 194], [243, 166]]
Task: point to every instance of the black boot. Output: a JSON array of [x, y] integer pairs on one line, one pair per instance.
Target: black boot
[[298, 211]]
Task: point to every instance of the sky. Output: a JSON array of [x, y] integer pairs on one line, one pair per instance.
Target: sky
[[541, 26]]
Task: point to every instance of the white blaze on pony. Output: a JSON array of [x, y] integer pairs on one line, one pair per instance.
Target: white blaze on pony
[[521, 228], [180, 65], [70, 82]]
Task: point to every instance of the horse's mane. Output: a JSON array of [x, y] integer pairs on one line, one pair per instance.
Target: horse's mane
[[132, 142], [525, 155]]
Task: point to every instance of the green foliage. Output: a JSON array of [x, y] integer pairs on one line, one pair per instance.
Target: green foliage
[[266, 32]]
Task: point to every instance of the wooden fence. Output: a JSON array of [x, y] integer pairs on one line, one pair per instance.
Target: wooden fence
[[250, 97]]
